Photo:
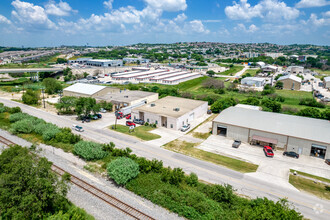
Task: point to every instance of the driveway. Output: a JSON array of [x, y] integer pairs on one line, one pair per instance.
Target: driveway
[[274, 170]]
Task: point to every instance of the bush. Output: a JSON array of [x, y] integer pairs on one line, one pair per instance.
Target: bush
[[123, 169], [18, 116], [24, 126], [251, 101], [174, 176], [89, 150], [270, 105], [66, 136], [49, 134], [146, 124], [326, 114], [15, 110], [310, 112], [147, 166], [31, 97], [222, 104], [311, 102], [192, 179]]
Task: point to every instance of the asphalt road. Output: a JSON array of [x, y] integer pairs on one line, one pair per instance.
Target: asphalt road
[[310, 206]]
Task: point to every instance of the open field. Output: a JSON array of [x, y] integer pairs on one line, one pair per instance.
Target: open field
[[311, 176], [232, 70], [141, 132], [190, 150], [252, 72], [322, 72]]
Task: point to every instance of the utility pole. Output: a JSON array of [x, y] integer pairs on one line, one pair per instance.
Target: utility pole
[[43, 96]]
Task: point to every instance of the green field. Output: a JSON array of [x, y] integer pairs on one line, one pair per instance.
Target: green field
[[141, 132], [232, 70], [252, 72], [322, 72]]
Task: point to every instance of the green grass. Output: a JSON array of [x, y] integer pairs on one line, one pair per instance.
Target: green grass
[[141, 132], [232, 70], [191, 85], [201, 135], [252, 72], [4, 121], [311, 176], [322, 72], [307, 185], [190, 150]]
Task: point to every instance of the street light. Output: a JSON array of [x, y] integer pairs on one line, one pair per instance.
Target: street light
[[43, 96]]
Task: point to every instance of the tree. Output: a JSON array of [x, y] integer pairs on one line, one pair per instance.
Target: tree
[[29, 189], [66, 104], [31, 97], [222, 104], [251, 101], [122, 169], [84, 106], [279, 85], [210, 73], [51, 85], [61, 60], [271, 105]]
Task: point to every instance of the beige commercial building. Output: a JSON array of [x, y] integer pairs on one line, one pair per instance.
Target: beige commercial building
[[306, 136], [326, 82], [171, 112], [125, 98], [88, 90], [290, 82]]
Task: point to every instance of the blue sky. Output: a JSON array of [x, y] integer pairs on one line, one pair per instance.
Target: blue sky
[[121, 22]]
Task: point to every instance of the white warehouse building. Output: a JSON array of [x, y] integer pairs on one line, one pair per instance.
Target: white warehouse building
[[253, 81], [171, 112], [104, 63]]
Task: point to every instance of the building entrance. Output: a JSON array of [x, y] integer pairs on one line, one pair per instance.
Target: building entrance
[[318, 151], [222, 131]]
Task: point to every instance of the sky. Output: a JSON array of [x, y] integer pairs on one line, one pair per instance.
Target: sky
[[37, 23]]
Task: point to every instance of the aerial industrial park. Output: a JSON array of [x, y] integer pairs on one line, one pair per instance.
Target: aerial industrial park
[[197, 122]]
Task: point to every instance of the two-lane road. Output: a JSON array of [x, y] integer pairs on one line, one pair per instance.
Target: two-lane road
[[310, 206]]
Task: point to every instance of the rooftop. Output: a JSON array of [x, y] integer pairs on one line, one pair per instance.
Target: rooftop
[[166, 106], [88, 89], [327, 79], [295, 78], [254, 79], [289, 125], [126, 96]]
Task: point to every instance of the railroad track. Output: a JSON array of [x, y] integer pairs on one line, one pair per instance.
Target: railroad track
[[5, 141], [127, 209]]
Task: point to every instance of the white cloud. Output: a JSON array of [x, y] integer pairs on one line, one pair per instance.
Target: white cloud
[[60, 9], [168, 5], [312, 3], [196, 26], [270, 10], [180, 18], [252, 28], [318, 22], [326, 14], [4, 20], [108, 4], [30, 15]]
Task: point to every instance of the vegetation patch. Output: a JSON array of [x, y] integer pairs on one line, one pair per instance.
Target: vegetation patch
[[316, 188], [311, 176], [190, 150], [201, 135], [141, 132], [232, 70]]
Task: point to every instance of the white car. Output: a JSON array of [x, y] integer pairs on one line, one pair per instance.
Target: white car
[[77, 128], [185, 128], [102, 110]]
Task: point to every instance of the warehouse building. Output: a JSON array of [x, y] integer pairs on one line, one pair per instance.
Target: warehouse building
[[88, 90], [104, 63], [126, 98], [326, 82], [306, 136], [269, 69], [171, 112], [253, 81], [290, 82], [295, 69]]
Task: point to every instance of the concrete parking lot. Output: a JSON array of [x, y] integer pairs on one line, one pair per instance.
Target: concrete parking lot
[[276, 169]]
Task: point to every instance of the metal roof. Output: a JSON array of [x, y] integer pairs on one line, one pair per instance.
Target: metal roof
[[83, 88], [295, 78], [327, 79], [289, 125], [258, 79]]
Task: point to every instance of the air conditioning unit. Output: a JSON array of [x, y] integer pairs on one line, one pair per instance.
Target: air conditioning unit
[[176, 109], [152, 104]]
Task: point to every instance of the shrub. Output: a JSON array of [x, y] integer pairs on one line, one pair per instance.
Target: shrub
[[326, 114], [24, 126], [174, 176], [89, 150], [147, 166], [31, 97], [66, 136], [146, 124], [311, 102], [123, 169], [18, 116], [49, 134], [270, 105], [222, 104], [192, 179], [15, 110], [310, 112], [251, 101]]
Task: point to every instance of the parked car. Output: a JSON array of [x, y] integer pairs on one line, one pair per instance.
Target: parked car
[[102, 110], [128, 116], [98, 115], [129, 123], [77, 128], [138, 121], [185, 128], [327, 161], [268, 151], [236, 143], [94, 117], [119, 115], [291, 154], [209, 112], [84, 119]]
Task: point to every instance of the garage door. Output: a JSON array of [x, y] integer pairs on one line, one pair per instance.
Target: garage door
[[191, 117]]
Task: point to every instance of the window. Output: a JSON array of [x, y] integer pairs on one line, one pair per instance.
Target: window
[[171, 125], [148, 120], [156, 122], [134, 117]]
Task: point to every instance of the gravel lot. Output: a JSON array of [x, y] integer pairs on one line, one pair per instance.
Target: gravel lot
[[93, 205]]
